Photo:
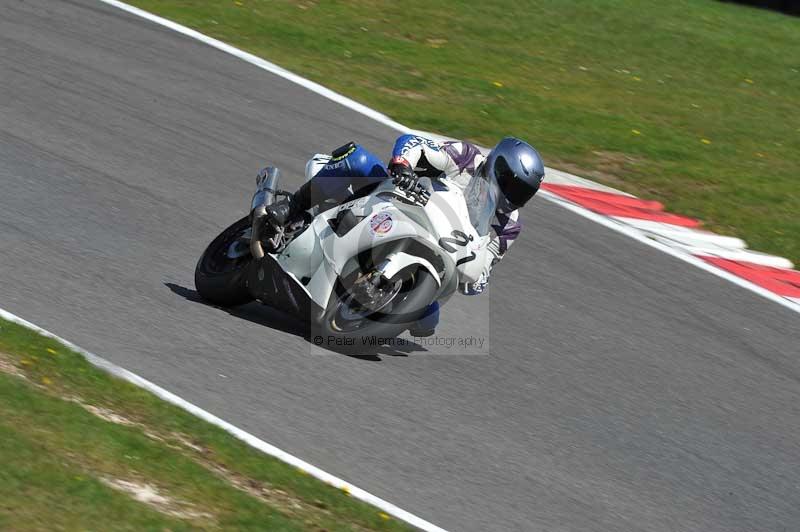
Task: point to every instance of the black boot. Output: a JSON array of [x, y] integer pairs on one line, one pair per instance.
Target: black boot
[[281, 212], [289, 209]]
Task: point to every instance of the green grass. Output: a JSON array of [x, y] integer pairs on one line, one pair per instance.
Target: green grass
[[70, 434], [693, 102]]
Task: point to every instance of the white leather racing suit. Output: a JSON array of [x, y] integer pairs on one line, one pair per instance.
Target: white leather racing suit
[[458, 160]]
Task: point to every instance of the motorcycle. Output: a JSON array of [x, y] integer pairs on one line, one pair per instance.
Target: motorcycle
[[368, 267]]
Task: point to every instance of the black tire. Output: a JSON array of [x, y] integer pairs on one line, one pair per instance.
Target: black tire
[[220, 279], [418, 293]]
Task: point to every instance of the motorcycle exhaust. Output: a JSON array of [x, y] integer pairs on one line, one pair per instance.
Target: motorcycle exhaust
[[266, 188]]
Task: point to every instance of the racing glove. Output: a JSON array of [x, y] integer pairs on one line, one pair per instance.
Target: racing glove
[[402, 173], [405, 179]]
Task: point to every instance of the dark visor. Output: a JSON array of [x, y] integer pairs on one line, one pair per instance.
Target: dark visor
[[515, 190]]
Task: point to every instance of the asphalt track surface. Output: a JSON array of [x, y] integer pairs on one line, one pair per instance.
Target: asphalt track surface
[[624, 389]]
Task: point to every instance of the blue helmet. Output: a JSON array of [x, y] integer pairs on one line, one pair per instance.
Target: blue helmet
[[518, 170]]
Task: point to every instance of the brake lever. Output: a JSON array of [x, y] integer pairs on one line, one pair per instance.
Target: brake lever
[[416, 191]]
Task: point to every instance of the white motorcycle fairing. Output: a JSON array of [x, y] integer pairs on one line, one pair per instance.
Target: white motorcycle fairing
[[387, 230]]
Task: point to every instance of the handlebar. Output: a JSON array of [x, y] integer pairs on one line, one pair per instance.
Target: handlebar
[[418, 191]]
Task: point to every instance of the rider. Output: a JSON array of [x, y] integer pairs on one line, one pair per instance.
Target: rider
[[515, 165]]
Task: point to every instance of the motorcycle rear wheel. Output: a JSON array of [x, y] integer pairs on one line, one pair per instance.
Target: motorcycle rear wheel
[[221, 273]]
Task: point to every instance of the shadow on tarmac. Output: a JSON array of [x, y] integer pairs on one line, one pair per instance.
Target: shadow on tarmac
[[275, 319]]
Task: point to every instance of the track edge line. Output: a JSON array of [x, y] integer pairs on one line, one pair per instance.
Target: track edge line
[[236, 432], [383, 119], [669, 250]]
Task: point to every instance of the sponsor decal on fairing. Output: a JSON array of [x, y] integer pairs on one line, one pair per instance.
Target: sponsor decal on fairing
[[381, 224]]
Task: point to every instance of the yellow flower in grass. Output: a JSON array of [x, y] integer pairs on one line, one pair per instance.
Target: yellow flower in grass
[[52, 351], [636, 132], [748, 80], [705, 141], [46, 381], [384, 516], [497, 84]]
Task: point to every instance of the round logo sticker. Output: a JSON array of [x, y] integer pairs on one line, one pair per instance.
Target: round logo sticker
[[380, 224]]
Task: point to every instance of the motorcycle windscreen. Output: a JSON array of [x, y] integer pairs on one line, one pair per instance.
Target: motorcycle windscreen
[[480, 195]]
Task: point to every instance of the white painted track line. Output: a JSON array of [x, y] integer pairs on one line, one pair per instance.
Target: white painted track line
[[686, 257], [246, 437], [383, 119], [261, 63]]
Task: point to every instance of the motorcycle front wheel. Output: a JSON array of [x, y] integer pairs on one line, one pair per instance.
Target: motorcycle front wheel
[[400, 302], [221, 273]]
